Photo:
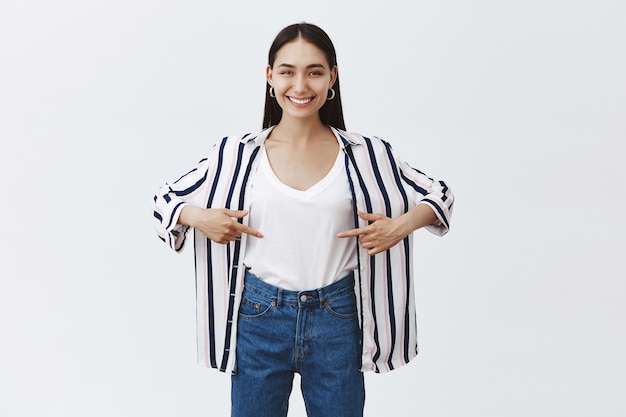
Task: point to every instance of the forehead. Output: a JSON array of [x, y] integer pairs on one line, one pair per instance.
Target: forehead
[[300, 52]]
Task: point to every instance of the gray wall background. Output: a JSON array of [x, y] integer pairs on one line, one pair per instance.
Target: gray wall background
[[519, 105]]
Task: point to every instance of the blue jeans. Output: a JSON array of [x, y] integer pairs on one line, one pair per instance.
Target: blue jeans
[[314, 333]]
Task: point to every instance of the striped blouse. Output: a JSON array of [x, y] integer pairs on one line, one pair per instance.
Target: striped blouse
[[379, 183]]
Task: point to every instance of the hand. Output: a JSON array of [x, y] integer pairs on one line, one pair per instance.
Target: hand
[[379, 236], [219, 225]]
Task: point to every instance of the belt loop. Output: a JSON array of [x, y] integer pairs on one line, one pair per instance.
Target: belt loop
[[279, 298], [320, 293]]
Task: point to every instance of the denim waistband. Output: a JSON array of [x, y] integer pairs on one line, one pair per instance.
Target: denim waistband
[[300, 298]]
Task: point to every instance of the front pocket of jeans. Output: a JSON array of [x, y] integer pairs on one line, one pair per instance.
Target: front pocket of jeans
[[254, 307], [343, 307]]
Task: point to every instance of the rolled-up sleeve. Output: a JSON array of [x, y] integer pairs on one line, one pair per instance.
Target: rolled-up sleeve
[[434, 193], [169, 201]]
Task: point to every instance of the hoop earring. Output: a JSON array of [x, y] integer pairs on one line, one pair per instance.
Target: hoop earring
[[332, 95], [272, 94]]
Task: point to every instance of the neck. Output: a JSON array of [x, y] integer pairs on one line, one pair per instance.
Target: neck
[[299, 130]]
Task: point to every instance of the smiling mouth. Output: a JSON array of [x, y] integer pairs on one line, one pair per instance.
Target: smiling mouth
[[300, 101]]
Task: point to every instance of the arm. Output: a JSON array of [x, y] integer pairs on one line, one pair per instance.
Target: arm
[[170, 200], [432, 203], [180, 205], [431, 193]]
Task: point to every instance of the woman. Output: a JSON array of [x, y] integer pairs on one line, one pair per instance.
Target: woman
[[303, 241]]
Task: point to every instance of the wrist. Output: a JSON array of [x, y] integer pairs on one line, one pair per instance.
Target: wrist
[[408, 223]]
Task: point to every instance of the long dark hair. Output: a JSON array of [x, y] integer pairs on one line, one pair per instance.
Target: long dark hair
[[331, 112]]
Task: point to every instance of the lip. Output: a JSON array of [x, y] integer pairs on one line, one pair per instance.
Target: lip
[[300, 102]]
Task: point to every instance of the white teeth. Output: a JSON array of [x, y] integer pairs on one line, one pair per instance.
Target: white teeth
[[303, 101]]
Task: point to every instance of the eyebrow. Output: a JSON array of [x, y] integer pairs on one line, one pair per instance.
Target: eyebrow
[[307, 67]]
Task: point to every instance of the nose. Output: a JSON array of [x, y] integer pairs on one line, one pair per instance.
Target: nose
[[299, 84]]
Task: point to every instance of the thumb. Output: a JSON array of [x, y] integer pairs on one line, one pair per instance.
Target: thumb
[[372, 217], [236, 213]]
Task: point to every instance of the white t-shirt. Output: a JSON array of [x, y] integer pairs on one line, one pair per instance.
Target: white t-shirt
[[300, 249]]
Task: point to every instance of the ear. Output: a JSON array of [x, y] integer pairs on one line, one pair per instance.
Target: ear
[[334, 73], [268, 74]]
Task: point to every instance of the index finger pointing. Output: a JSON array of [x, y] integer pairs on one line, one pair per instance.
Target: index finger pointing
[[351, 233], [250, 231]]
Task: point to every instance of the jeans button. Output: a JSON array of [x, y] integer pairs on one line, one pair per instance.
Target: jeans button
[[303, 298]]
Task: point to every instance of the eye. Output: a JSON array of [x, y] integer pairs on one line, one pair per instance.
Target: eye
[[286, 72], [315, 73]]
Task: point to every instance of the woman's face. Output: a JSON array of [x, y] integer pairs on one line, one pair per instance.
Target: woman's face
[[301, 77]]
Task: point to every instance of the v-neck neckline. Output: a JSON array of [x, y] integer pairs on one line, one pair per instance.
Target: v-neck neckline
[[310, 192]]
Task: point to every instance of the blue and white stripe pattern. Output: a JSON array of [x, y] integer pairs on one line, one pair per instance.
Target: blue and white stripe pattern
[[380, 183]]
